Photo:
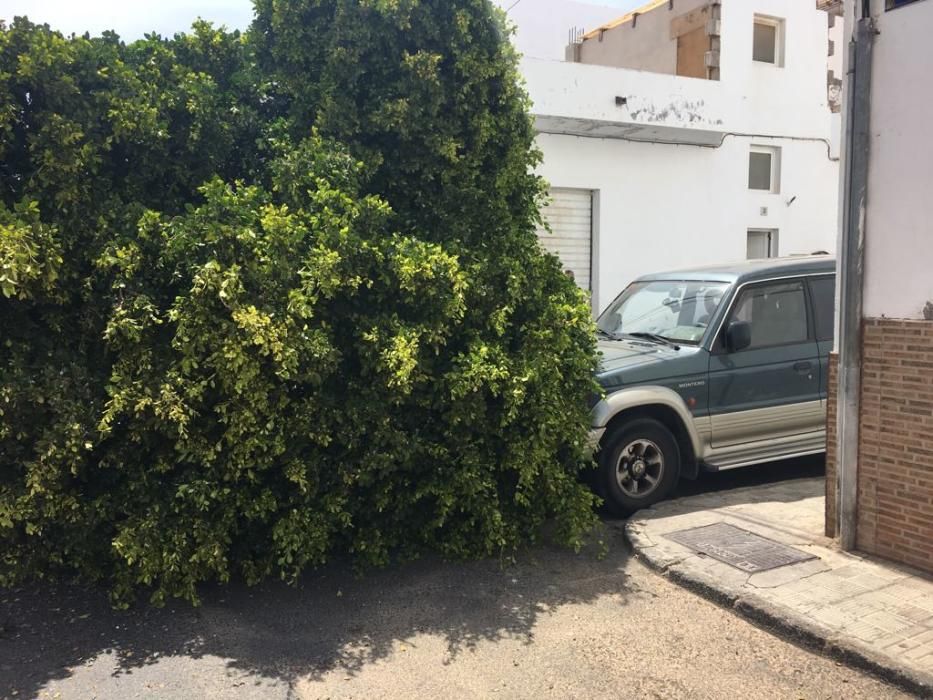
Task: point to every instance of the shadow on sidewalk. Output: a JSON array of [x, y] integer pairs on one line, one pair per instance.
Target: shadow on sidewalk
[[331, 620]]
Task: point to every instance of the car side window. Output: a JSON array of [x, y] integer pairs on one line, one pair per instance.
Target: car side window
[[823, 294], [776, 313]]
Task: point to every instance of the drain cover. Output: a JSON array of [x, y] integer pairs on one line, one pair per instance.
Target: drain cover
[[739, 548]]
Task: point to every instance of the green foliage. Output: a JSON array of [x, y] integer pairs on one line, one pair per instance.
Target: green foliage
[[30, 256], [272, 297]]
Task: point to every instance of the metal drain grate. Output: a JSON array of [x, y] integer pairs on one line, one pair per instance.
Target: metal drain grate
[[739, 548]]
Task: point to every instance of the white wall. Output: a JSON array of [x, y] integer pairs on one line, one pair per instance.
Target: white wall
[[662, 207], [899, 221], [752, 98], [790, 99], [588, 92]]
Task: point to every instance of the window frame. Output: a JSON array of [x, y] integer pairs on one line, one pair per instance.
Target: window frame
[[779, 28], [719, 344], [773, 241], [775, 173], [832, 329]]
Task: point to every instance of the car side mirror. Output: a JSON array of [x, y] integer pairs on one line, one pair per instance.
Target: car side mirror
[[738, 336]]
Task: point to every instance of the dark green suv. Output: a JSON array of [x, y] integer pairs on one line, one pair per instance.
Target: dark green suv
[[711, 369]]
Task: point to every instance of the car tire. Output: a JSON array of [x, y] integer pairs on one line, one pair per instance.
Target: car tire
[[639, 465]]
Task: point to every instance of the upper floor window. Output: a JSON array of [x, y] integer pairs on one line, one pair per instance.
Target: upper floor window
[[768, 40]]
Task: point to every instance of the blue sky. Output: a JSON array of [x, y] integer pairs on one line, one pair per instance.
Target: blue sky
[[132, 18]]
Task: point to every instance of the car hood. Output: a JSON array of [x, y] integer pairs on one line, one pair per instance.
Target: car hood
[[633, 361], [618, 354]]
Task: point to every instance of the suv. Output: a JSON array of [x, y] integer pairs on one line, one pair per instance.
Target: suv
[[712, 369]]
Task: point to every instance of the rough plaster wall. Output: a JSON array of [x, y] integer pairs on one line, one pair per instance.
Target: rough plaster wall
[[646, 46], [792, 98], [899, 233], [750, 97]]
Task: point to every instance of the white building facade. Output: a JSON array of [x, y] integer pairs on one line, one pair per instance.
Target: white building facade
[[655, 170], [880, 444]]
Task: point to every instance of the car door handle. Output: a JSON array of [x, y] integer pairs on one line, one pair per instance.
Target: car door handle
[[802, 367]]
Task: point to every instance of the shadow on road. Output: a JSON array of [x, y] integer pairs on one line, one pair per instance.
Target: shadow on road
[[331, 620], [770, 473]]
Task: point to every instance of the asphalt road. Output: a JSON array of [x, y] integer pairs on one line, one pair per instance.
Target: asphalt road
[[802, 468], [554, 624]]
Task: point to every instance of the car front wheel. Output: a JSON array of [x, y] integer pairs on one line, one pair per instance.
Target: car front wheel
[[639, 465]]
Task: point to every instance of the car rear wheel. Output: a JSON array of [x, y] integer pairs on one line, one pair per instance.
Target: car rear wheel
[[639, 465]]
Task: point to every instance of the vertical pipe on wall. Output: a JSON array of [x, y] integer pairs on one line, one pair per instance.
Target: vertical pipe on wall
[[850, 263]]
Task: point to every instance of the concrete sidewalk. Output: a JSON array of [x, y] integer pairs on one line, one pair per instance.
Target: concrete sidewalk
[[860, 610]]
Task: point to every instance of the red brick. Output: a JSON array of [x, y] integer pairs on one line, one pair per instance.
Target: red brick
[[895, 495]]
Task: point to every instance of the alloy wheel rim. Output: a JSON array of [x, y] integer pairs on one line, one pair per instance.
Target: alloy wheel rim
[[639, 469]]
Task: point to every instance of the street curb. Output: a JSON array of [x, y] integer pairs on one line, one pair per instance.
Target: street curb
[[780, 622]]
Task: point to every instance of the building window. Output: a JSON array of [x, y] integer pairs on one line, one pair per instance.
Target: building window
[[762, 243], [764, 169], [768, 40]]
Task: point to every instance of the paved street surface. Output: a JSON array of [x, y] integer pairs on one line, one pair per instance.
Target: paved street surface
[[774, 472], [555, 625], [870, 609]]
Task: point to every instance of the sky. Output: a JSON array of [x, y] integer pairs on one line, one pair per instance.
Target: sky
[[543, 24]]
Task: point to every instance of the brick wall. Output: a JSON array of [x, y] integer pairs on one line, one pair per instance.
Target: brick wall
[[831, 446], [895, 480]]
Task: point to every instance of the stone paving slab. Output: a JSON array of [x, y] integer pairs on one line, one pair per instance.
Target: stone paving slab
[[867, 612]]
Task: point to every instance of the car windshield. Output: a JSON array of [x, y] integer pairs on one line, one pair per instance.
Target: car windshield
[[674, 310]]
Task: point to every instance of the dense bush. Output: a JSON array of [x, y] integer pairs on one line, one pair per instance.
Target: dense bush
[[275, 296]]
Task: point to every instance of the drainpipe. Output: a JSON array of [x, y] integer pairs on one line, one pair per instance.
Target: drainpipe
[[848, 398]]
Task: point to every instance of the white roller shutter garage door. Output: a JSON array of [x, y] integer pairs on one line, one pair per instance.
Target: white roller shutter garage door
[[570, 215]]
